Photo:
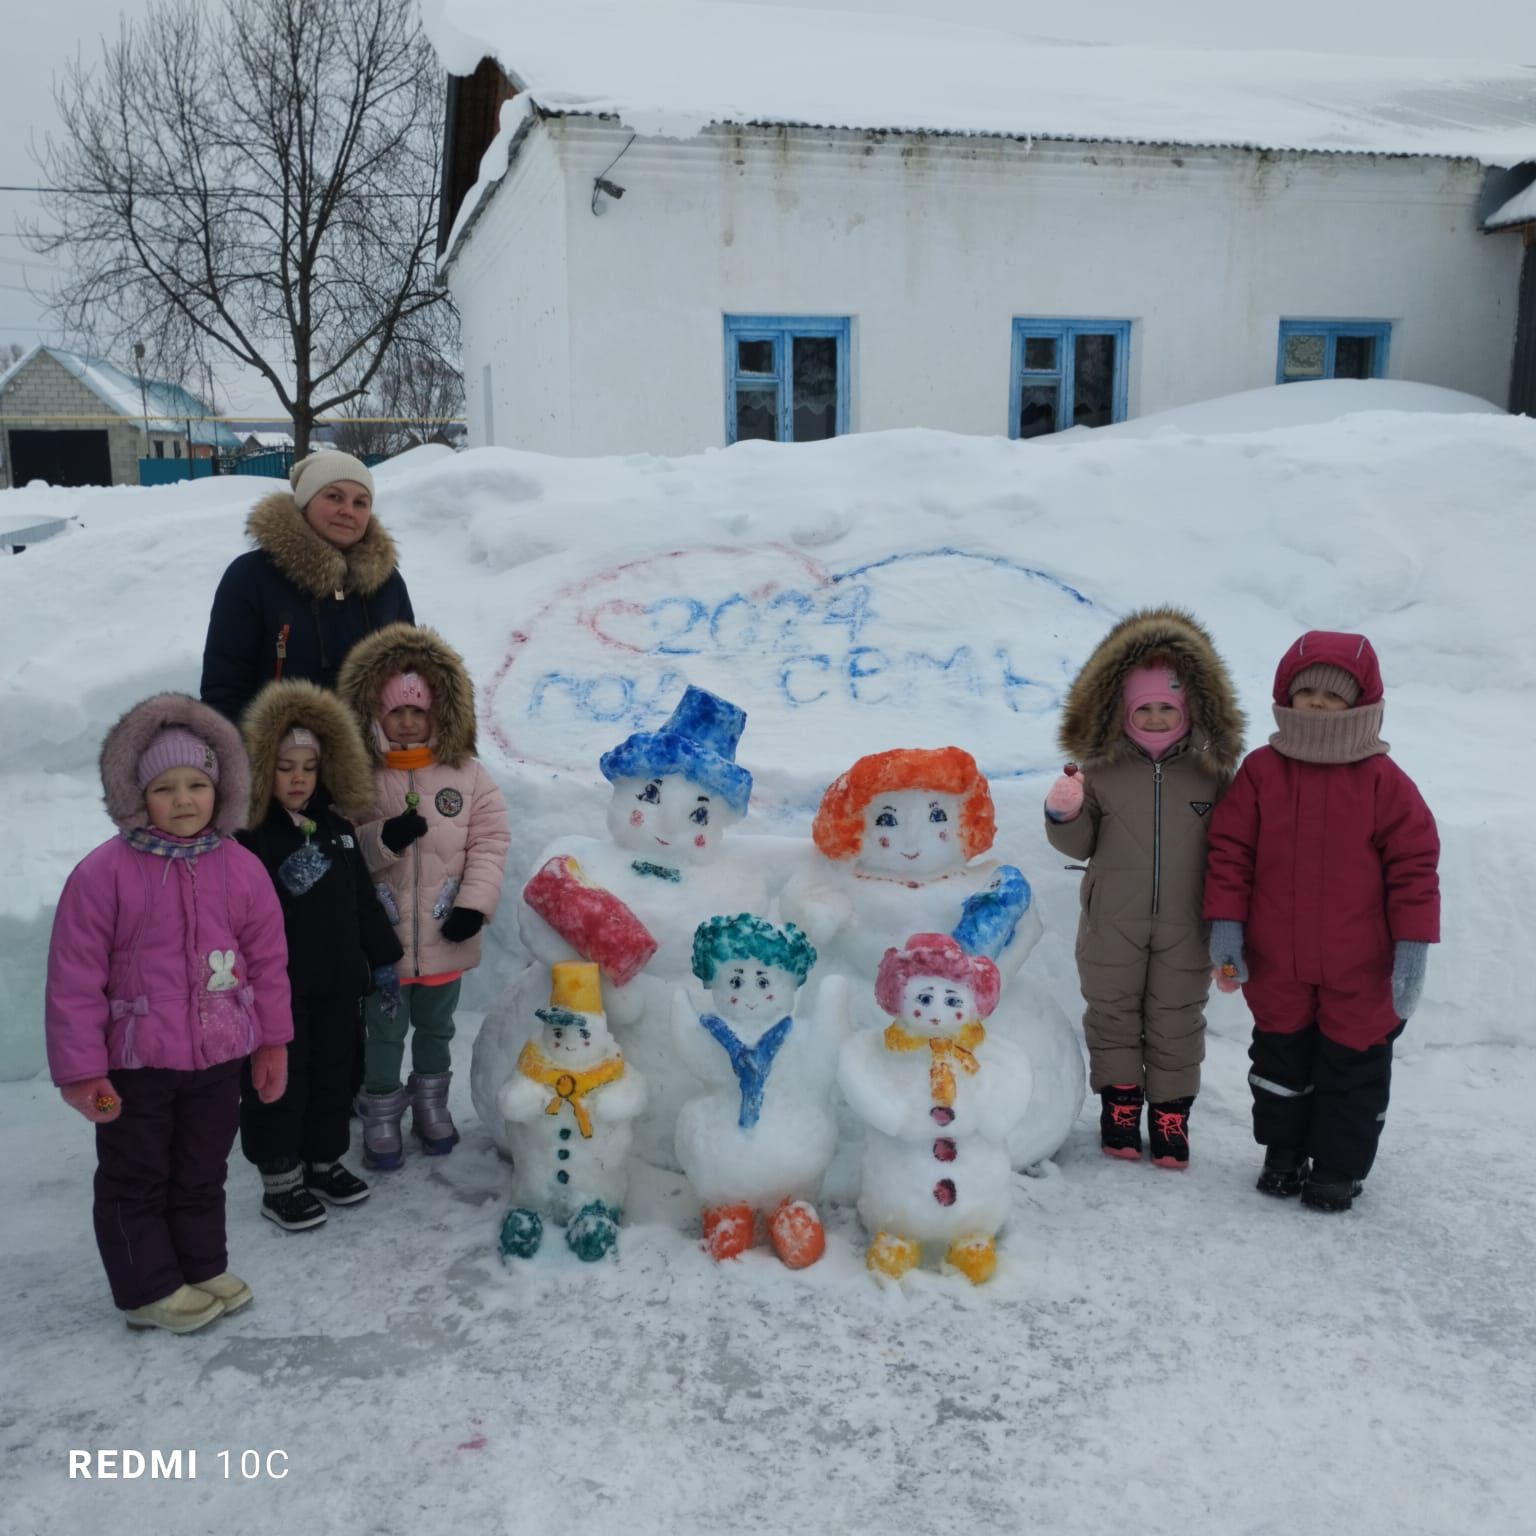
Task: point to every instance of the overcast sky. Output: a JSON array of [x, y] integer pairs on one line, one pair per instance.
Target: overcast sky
[[40, 37]]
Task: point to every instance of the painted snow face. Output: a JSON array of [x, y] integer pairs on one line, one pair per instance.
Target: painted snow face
[[743, 989], [578, 1045], [914, 833], [932, 1006], [669, 820]]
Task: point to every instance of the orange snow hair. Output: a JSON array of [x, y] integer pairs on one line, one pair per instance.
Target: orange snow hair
[[839, 826]]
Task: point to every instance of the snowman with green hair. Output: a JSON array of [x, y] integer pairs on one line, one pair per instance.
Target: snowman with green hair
[[758, 1144]]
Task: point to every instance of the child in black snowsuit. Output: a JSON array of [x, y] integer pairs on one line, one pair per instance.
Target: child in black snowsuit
[[309, 772]]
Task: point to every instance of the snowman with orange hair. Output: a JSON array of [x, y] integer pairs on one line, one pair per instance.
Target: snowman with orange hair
[[938, 1097]]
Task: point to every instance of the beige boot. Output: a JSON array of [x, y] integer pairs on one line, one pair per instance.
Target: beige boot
[[229, 1289], [184, 1310]]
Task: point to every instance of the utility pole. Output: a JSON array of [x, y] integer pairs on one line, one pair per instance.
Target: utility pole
[[138, 357]]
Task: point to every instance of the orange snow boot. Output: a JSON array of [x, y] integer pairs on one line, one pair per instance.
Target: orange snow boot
[[891, 1255], [727, 1231], [974, 1257], [797, 1234]]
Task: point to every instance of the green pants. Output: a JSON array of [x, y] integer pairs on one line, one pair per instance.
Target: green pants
[[430, 1011]]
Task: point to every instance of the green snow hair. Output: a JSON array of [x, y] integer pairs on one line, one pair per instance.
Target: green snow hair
[[743, 937]]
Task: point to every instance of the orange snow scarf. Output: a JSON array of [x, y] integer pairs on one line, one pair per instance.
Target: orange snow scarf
[[959, 1048], [570, 1087]]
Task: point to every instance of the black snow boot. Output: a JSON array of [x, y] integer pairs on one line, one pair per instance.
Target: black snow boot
[[1168, 1128], [1325, 1190], [1120, 1120], [1285, 1171]]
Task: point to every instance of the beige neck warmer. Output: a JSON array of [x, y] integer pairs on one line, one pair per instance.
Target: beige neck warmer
[[1329, 736]]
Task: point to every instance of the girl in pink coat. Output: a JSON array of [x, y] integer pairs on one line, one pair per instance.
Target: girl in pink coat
[[436, 844], [166, 970]]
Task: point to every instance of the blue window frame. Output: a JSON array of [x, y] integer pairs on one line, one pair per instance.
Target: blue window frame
[[1067, 373], [786, 378], [1332, 349]]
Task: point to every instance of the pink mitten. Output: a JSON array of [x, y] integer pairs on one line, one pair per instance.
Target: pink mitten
[[95, 1098], [1065, 800], [269, 1072]]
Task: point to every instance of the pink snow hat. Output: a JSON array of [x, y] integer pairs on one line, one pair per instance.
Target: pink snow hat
[[936, 954], [176, 747], [299, 739], [405, 688]]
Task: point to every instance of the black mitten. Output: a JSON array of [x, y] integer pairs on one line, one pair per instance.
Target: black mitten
[[399, 832], [462, 923]]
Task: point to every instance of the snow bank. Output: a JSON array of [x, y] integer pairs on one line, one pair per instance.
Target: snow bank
[[907, 588]]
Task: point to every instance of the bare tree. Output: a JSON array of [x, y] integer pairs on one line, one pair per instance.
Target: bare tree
[[11, 353], [258, 179]]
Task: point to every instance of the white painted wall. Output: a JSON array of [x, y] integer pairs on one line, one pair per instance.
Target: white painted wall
[[933, 246]]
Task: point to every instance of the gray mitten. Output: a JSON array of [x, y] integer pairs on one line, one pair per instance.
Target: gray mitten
[[1408, 961]]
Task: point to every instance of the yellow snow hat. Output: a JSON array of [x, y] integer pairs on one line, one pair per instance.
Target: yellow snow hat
[[575, 985]]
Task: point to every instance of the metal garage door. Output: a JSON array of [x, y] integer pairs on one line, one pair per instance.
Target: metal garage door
[[60, 458]]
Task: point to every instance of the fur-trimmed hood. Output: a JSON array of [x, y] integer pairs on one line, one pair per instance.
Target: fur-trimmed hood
[[280, 530], [411, 648], [346, 774], [127, 741], [1091, 730]]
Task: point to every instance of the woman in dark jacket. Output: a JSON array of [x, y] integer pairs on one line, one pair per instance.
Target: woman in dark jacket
[[323, 575], [309, 771]]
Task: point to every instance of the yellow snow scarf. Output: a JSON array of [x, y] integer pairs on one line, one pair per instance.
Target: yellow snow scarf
[[570, 1087], [958, 1047]]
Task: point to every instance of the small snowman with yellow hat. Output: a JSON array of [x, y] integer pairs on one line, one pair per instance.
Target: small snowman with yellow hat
[[569, 1108]]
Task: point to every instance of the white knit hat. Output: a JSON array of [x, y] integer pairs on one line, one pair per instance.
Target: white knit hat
[[325, 468]]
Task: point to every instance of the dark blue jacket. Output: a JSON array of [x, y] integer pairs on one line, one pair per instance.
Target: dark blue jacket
[[294, 606]]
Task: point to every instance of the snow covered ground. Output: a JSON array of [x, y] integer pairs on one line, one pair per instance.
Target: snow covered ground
[[1158, 1351]]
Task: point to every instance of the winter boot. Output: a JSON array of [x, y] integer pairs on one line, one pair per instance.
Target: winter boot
[[230, 1289], [592, 1231], [381, 1114], [1120, 1120], [727, 1231], [430, 1119], [796, 1233], [1168, 1130], [974, 1257], [184, 1310], [334, 1184], [521, 1233], [1285, 1171], [1325, 1190], [286, 1201]]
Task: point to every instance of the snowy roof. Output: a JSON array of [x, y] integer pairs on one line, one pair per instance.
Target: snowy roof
[[168, 405], [673, 67], [1520, 209]]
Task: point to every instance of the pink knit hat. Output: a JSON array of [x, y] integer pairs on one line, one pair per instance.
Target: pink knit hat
[[176, 747], [405, 688], [299, 739], [1155, 685]]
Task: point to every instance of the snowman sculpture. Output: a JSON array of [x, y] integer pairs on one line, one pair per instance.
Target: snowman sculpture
[[901, 838], [938, 1096], [568, 1109], [630, 902], [759, 1142]]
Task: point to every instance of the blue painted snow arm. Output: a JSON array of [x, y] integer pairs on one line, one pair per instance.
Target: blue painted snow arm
[[988, 919]]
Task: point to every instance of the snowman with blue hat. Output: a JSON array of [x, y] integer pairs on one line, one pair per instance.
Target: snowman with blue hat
[[568, 1109], [630, 902]]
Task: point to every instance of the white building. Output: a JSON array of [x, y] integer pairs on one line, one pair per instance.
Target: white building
[[673, 226]]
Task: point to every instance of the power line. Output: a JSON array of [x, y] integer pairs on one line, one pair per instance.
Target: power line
[[175, 191]]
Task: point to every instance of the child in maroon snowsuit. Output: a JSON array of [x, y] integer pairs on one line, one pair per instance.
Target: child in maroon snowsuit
[[1323, 894]]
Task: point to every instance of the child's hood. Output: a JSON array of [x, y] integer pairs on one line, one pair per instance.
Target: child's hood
[[1325, 647], [127, 741], [1091, 729], [346, 774], [412, 648]]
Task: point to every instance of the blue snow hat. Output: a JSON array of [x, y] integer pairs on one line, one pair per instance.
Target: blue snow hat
[[698, 742]]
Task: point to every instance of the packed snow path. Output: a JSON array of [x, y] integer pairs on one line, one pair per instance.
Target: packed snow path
[[1159, 1351]]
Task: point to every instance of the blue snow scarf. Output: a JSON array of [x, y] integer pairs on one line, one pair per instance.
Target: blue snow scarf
[[750, 1063]]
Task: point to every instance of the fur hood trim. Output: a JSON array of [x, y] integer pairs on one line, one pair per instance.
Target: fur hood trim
[[412, 648], [278, 527], [346, 775], [127, 741], [1091, 730]]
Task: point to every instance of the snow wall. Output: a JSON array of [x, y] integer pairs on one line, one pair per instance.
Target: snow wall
[[896, 589]]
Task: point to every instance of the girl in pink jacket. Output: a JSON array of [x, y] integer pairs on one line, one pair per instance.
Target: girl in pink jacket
[[436, 844], [166, 970]]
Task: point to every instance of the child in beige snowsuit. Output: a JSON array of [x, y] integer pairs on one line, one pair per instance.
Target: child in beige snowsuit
[[1153, 728], [436, 844]]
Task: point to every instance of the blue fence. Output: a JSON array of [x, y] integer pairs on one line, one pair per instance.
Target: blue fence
[[274, 466]]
